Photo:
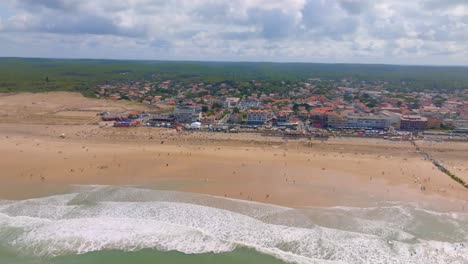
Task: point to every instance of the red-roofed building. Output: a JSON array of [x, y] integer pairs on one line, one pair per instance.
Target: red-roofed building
[[319, 116]]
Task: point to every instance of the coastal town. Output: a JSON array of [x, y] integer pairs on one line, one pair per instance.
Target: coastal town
[[234, 131], [314, 107]]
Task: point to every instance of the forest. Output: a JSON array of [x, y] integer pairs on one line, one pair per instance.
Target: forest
[[41, 75]]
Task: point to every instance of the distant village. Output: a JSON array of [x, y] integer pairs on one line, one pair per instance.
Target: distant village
[[315, 107]]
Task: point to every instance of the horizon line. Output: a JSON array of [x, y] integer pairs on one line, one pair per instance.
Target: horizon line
[[239, 61]]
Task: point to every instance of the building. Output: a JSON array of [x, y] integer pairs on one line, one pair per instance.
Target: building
[[356, 121], [373, 94], [448, 122], [231, 102], [413, 123], [337, 120], [368, 121], [395, 118], [460, 123], [205, 119], [319, 116], [282, 117], [235, 118], [187, 114], [258, 117], [433, 122], [246, 104]]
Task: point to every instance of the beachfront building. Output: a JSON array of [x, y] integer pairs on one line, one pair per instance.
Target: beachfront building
[[282, 117], [395, 118], [448, 122], [358, 121], [258, 117], [368, 121], [413, 123], [319, 116], [336, 120], [460, 123], [187, 114]]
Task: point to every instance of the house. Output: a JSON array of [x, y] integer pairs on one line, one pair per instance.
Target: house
[[231, 102], [205, 119], [258, 117], [246, 104], [170, 102]]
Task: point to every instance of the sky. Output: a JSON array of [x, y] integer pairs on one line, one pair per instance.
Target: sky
[[429, 32]]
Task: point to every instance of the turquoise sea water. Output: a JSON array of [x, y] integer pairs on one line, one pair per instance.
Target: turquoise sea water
[[146, 256], [99, 224]]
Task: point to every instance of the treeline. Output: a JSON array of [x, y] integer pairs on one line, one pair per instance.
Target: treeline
[[38, 75]]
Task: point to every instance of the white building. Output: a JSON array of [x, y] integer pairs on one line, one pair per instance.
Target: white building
[[395, 118], [359, 121], [258, 117], [368, 121], [231, 102]]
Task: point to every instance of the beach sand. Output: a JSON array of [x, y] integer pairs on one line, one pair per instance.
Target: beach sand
[[36, 161]]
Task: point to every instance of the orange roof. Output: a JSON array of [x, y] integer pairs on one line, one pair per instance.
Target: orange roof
[[322, 110], [285, 100], [258, 111]]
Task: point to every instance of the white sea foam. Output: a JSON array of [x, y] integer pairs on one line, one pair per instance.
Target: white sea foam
[[131, 219]]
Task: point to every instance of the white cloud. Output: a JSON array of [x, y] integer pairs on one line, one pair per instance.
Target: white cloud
[[397, 31]]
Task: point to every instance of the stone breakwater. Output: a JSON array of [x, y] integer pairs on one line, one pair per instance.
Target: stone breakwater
[[441, 167]]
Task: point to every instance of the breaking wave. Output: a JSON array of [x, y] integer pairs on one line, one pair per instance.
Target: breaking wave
[[106, 218]]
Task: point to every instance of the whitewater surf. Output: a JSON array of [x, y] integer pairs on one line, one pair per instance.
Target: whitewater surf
[[103, 223]]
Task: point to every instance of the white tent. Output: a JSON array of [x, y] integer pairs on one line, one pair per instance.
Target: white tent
[[195, 125]]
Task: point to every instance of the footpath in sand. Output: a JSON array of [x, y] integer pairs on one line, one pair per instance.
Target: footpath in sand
[[355, 172]]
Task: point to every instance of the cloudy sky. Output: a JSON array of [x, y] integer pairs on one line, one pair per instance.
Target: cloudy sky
[[350, 31]]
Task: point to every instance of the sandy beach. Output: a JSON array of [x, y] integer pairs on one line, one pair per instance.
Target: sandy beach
[[296, 173]]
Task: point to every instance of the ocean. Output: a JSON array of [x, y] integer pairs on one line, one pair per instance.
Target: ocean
[[104, 224]]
